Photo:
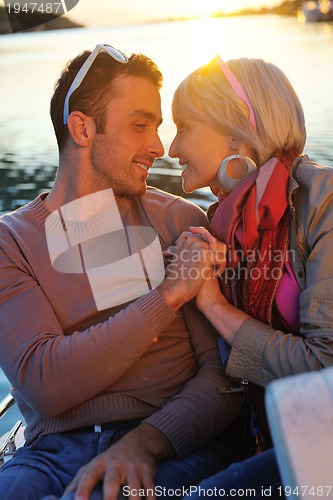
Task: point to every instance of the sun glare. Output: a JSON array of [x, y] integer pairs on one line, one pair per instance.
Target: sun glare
[[130, 11], [209, 7], [198, 8]]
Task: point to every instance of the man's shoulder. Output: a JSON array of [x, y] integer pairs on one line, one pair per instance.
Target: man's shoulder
[[9, 219], [170, 214], [157, 197], [19, 219]]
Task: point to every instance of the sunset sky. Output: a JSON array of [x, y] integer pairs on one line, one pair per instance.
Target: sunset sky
[[101, 12]]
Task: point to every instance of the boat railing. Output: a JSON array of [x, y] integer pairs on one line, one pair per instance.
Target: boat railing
[[7, 441], [6, 404]]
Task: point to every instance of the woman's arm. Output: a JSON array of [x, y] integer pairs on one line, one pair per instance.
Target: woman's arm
[[260, 353]]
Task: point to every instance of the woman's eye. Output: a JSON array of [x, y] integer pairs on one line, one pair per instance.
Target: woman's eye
[[181, 128]]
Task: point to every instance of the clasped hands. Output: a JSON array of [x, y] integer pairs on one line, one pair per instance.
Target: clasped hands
[[195, 261]]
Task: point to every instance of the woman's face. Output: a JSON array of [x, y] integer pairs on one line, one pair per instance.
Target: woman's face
[[200, 150]]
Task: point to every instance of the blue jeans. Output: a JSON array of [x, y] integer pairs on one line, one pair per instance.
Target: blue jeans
[[256, 477], [48, 465]]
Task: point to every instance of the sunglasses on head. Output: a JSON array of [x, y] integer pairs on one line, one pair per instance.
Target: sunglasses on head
[[114, 53]]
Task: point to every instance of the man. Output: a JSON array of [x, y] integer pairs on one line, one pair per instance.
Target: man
[[105, 357]]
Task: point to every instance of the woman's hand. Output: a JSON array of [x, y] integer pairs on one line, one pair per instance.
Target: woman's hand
[[218, 249], [226, 318], [200, 279], [209, 294], [194, 258]]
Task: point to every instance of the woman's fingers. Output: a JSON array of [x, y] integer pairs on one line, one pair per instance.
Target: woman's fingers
[[184, 236], [205, 235], [216, 248]]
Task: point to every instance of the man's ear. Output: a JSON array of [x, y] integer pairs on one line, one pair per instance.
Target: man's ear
[[81, 128]]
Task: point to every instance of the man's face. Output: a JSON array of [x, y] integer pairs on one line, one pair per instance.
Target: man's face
[[123, 154]]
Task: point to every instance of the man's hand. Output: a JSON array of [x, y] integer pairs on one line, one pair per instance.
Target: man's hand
[[131, 462], [197, 256]]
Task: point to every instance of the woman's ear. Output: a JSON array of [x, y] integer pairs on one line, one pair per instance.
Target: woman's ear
[[81, 128], [234, 144]]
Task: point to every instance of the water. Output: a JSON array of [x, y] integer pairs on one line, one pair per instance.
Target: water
[[31, 62]]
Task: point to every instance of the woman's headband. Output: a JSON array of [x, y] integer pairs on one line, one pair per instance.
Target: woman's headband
[[238, 88]]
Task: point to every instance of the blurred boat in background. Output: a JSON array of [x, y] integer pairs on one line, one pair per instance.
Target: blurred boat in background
[[317, 10]]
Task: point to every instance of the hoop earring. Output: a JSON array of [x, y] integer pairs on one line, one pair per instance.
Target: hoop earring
[[228, 183]]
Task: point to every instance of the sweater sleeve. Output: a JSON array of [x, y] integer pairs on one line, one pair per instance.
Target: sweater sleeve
[[201, 410], [271, 354], [37, 357]]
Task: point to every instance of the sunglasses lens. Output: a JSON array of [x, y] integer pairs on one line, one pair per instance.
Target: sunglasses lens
[[116, 54]]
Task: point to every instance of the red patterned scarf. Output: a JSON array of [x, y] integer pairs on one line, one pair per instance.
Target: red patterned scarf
[[253, 221]]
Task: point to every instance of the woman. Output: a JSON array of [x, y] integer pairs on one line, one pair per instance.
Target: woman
[[240, 130]]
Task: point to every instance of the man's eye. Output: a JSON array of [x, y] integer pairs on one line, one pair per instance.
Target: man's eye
[[141, 125]]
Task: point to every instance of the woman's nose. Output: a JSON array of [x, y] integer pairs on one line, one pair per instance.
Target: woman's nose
[[173, 149]]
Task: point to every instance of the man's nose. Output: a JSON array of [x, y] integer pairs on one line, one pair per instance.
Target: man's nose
[[157, 147]]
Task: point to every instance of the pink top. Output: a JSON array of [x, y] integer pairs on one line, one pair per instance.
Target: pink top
[[287, 297]]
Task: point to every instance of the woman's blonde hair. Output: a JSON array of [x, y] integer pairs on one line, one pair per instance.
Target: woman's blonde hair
[[207, 95]]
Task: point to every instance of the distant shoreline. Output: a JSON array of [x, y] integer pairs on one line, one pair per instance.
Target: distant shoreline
[[286, 8], [38, 21]]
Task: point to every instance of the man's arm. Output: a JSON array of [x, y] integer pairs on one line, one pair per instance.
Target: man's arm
[[35, 348], [199, 412], [191, 419]]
